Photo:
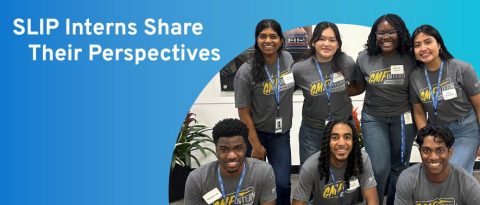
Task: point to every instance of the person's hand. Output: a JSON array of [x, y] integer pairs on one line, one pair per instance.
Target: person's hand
[[259, 152]]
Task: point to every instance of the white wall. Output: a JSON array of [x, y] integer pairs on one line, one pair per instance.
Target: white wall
[[213, 105]]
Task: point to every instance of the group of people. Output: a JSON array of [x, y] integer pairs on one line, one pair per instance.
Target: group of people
[[411, 82]]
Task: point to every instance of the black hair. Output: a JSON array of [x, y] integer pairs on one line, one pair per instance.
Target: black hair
[[440, 135], [354, 163], [258, 60], [229, 128], [404, 44], [317, 34], [431, 31]]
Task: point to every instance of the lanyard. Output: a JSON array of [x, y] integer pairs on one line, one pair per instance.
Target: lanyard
[[434, 97], [402, 157], [335, 183], [239, 185], [328, 88], [276, 88]]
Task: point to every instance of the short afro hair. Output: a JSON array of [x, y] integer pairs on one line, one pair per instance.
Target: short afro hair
[[230, 128]]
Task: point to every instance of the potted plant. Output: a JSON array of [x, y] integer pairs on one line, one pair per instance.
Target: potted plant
[[192, 139]]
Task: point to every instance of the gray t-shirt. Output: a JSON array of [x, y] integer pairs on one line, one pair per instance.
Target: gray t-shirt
[[315, 105], [386, 92], [258, 184], [458, 76], [413, 187], [326, 194], [261, 98]]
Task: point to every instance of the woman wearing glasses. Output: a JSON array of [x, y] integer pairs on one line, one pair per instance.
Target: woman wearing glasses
[[456, 104], [383, 70], [263, 95]]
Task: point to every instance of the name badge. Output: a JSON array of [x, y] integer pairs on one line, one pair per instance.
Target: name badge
[[354, 184], [408, 118], [278, 125], [212, 196], [288, 79], [337, 77], [396, 69], [449, 94]]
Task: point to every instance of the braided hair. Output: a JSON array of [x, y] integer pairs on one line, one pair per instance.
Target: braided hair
[[354, 161], [404, 43]]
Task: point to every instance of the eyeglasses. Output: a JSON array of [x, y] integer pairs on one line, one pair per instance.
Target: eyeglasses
[[389, 33]]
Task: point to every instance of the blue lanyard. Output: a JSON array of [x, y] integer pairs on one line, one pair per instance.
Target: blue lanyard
[[328, 88], [276, 88], [239, 185], [335, 183], [402, 157], [434, 97]]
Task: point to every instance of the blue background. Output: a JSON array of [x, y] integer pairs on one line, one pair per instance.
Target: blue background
[[103, 132]]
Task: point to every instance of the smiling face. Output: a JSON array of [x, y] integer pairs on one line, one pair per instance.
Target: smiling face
[[435, 156], [326, 45], [427, 50], [387, 38], [341, 142], [268, 41], [231, 154]]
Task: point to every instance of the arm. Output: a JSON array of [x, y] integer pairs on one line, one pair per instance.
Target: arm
[[258, 151], [297, 202], [355, 88], [370, 196], [475, 100], [419, 115]]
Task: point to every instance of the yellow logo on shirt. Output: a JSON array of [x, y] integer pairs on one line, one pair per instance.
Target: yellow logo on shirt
[[426, 96], [318, 87], [333, 190], [268, 85], [246, 196], [439, 201], [385, 76]]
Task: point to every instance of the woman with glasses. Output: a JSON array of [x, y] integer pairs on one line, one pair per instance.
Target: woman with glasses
[[263, 95], [456, 104], [323, 78], [383, 70]]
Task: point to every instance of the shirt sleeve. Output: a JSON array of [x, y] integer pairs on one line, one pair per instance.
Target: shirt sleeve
[[193, 190], [242, 87], [470, 82], [357, 74], [413, 96], [367, 179], [472, 195], [404, 190], [304, 186], [348, 68], [268, 189]]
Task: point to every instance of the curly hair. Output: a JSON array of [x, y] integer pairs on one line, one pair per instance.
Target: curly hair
[[404, 43], [229, 128], [440, 135], [354, 162], [258, 61]]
